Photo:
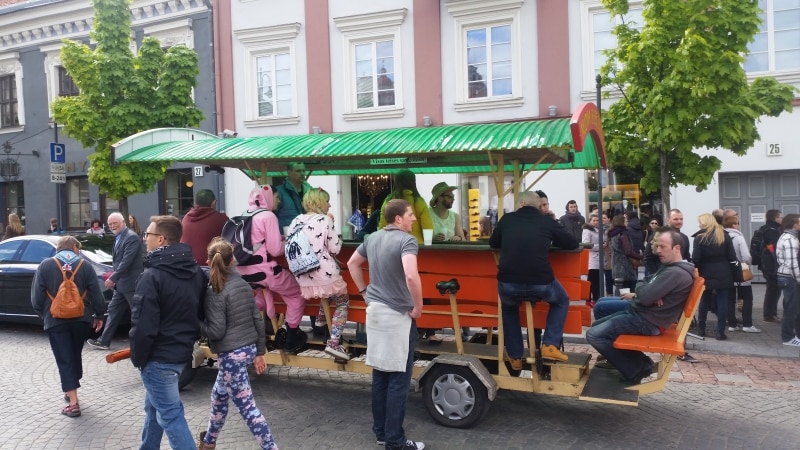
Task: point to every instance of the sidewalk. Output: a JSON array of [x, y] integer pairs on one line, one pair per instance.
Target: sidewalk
[[744, 359], [765, 344]]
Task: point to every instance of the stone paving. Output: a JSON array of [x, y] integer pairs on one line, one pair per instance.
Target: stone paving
[[728, 399]]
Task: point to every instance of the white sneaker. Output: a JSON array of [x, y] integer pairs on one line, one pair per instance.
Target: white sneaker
[[337, 351], [795, 342], [736, 328], [752, 329]]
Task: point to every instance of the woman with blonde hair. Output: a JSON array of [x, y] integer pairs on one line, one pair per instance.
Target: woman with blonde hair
[[235, 331], [325, 282], [14, 227], [712, 254]]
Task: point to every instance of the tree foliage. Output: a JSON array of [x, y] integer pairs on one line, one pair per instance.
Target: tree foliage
[[122, 94], [683, 88]]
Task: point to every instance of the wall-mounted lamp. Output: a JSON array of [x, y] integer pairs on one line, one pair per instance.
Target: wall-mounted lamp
[[189, 183], [215, 168], [426, 121], [552, 110], [226, 133], [316, 130]]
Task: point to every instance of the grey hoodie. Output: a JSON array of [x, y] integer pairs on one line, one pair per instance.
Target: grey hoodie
[[671, 284]]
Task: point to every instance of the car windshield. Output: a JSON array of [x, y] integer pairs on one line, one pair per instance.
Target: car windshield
[[97, 248]]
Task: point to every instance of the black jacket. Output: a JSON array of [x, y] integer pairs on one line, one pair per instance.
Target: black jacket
[[636, 234], [167, 307], [769, 263], [713, 262], [524, 238]]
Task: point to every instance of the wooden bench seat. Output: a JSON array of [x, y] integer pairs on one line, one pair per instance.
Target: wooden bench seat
[[670, 343]]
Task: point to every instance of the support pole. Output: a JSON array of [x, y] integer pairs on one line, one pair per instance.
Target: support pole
[[600, 178]]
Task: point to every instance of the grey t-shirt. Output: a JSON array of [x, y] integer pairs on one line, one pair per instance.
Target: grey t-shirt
[[384, 251]]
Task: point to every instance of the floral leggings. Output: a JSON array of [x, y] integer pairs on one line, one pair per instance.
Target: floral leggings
[[339, 317], [233, 383]]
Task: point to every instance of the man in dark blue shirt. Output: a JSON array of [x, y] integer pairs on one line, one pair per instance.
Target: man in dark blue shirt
[[524, 274]]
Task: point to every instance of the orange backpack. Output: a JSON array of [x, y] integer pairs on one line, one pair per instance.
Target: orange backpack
[[68, 302]]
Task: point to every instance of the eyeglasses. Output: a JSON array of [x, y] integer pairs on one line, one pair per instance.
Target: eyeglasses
[[653, 223], [147, 235]]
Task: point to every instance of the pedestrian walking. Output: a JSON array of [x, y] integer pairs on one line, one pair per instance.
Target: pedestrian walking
[[235, 331], [788, 277]]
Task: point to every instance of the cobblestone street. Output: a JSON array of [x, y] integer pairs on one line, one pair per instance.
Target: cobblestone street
[[721, 401]]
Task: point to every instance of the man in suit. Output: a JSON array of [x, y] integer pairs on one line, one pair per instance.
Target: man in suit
[[127, 262]]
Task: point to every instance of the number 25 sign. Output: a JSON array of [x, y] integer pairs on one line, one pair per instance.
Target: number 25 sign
[[774, 149]]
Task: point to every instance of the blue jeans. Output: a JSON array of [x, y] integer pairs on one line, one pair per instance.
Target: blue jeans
[[605, 331], [790, 325], [512, 294], [389, 395], [66, 341], [607, 306], [721, 296], [163, 408]]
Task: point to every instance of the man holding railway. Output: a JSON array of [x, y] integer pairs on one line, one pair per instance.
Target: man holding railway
[[657, 304], [523, 238]]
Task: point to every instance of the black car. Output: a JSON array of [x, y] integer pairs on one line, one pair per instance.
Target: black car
[[21, 256]]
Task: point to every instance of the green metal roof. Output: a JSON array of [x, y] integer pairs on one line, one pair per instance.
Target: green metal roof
[[443, 149]]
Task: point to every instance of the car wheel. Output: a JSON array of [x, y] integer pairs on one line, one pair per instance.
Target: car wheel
[[454, 396]]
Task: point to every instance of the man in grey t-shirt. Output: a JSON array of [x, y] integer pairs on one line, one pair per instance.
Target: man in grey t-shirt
[[394, 300]]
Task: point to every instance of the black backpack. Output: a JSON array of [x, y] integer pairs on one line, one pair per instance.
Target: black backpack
[[237, 230], [756, 245]]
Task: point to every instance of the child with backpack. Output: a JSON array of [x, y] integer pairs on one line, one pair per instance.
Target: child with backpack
[[320, 277], [265, 274]]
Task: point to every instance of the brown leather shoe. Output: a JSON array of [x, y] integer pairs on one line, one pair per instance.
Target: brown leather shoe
[[553, 353], [515, 363], [202, 445]]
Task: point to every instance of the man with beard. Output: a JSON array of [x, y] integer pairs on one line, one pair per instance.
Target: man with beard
[[446, 223]]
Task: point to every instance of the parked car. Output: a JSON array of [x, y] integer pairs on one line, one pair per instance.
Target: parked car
[[21, 256]]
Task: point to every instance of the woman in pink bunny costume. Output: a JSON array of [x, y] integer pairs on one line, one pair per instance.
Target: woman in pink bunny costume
[[267, 273]]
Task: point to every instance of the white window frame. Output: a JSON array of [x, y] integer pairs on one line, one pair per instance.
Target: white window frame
[[10, 65], [263, 42], [371, 28], [472, 14], [588, 9], [784, 75]]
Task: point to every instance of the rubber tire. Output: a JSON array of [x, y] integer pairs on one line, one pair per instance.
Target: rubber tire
[[454, 397], [187, 375]]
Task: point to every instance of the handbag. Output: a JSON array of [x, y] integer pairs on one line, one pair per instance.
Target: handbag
[[747, 273], [636, 263], [736, 271]]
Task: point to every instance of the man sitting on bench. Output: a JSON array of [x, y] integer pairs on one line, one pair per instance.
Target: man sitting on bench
[[657, 304]]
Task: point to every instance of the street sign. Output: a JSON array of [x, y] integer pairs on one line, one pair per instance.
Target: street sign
[[58, 153], [58, 168], [58, 178]]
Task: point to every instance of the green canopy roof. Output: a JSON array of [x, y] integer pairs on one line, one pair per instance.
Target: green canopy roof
[[537, 144]]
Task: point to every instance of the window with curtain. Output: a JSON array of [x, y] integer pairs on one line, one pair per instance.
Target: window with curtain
[[9, 116], [274, 83], [374, 68]]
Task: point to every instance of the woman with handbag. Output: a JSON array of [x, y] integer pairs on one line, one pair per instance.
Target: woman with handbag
[[743, 290], [624, 260], [712, 254]]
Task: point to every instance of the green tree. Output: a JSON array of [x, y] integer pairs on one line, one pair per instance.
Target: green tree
[[684, 88], [122, 94]]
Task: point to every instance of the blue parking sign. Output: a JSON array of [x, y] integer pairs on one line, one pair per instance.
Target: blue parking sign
[[58, 153]]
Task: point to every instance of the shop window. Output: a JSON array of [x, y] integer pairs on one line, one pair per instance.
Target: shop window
[[79, 214], [14, 198], [178, 192]]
